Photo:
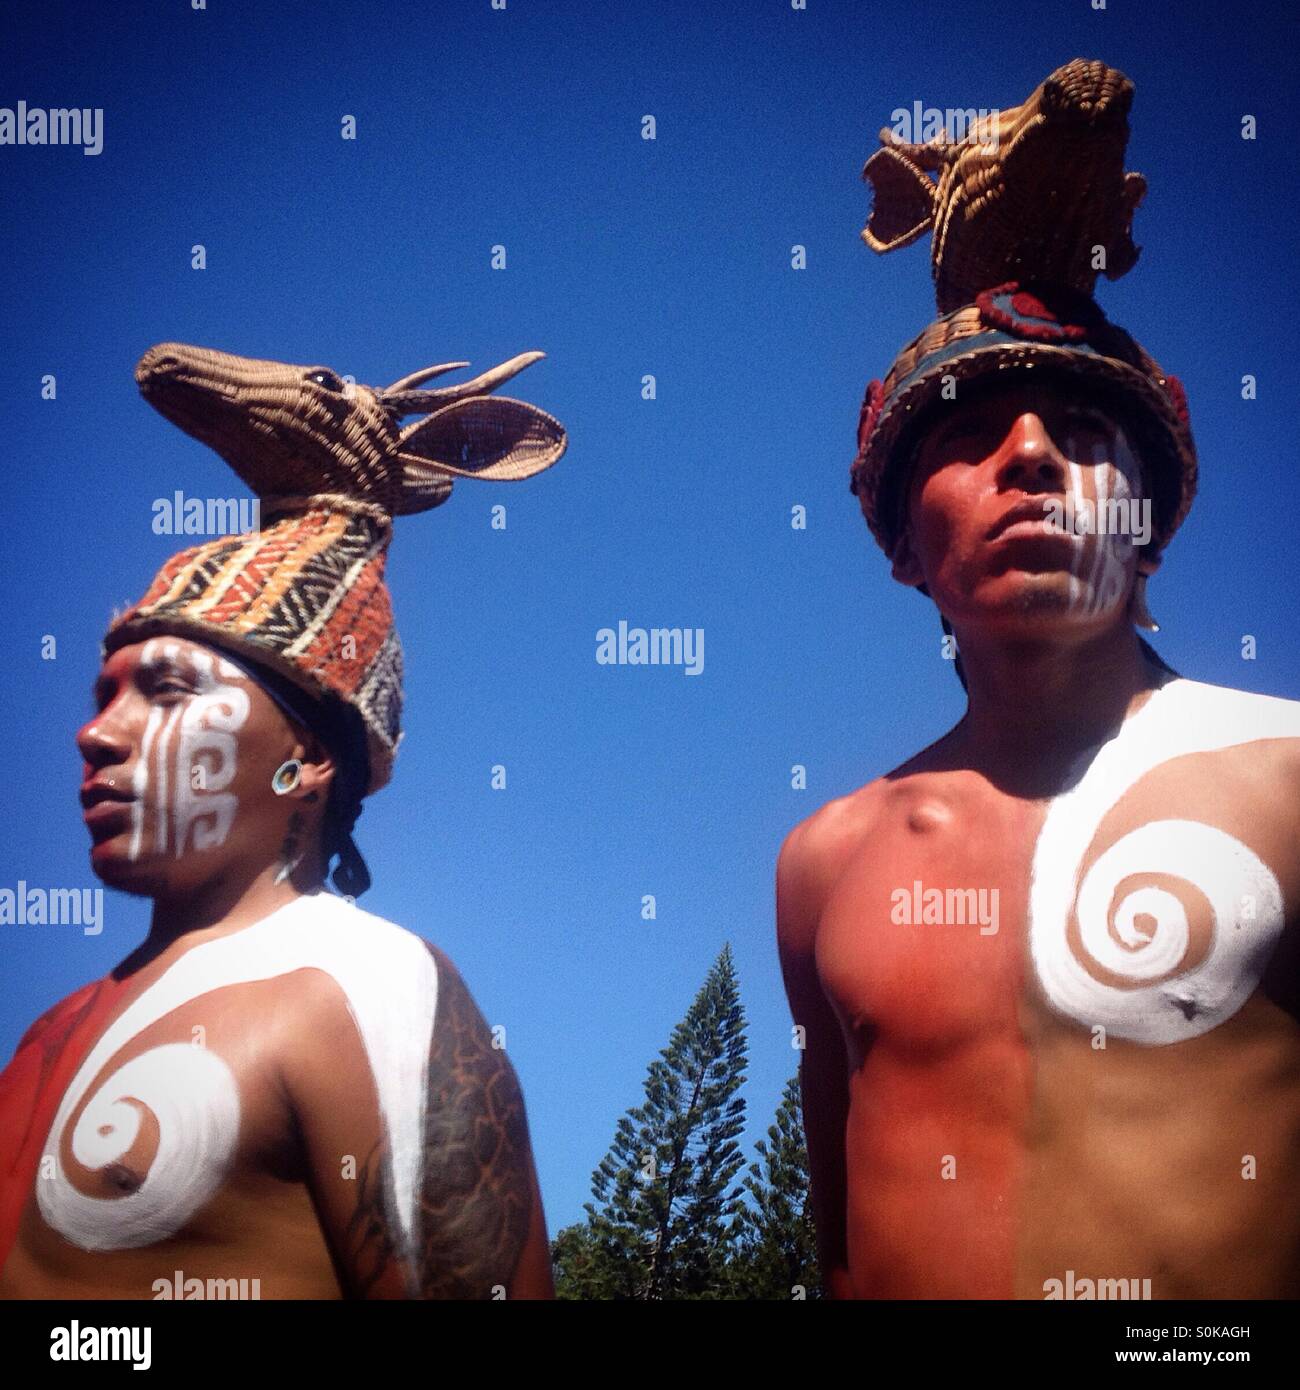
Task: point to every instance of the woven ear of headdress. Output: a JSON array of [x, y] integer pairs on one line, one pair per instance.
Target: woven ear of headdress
[[1036, 193], [492, 438]]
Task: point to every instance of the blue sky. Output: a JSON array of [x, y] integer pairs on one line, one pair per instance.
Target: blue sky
[[625, 257]]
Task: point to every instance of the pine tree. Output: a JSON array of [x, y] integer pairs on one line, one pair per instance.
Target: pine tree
[[775, 1240], [665, 1203], [582, 1267]]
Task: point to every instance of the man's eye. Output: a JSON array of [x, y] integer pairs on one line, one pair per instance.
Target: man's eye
[[965, 437]]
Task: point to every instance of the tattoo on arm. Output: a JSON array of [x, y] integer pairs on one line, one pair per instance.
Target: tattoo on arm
[[368, 1236], [476, 1194]]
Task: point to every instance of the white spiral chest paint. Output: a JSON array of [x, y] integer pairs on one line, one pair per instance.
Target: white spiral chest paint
[[1141, 935], [390, 983]]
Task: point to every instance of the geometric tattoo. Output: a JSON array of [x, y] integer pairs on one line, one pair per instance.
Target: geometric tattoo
[[476, 1194], [475, 1198], [367, 1236]]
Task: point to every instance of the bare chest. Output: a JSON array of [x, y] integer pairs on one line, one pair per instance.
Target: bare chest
[[171, 1107], [922, 941], [1149, 899]]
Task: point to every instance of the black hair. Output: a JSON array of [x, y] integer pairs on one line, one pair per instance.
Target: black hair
[[338, 728]]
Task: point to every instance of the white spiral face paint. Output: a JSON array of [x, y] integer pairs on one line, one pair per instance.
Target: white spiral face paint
[[1117, 948], [390, 984], [188, 754]]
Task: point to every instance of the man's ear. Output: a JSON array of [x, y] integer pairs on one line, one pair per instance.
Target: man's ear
[[1138, 612], [317, 768], [905, 567]]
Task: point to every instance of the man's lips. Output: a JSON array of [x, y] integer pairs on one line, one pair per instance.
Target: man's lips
[[105, 809], [92, 793], [107, 820], [1029, 520]]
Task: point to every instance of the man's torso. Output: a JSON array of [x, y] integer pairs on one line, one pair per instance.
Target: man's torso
[[1071, 1028], [175, 1164]]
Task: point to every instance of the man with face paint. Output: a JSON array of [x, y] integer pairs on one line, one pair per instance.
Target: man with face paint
[[1045, 969], [276, 1086]]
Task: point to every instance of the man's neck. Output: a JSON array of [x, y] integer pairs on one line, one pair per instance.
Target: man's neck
[[226, 903], [1035, 705]]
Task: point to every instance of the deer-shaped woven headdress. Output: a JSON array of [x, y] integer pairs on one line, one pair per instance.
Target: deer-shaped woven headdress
[[1026, 209], [332, 464]]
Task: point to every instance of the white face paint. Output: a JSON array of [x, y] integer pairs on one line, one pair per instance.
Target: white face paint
[[390, 984], [1118, 949], [1103, 505], [188, 755]]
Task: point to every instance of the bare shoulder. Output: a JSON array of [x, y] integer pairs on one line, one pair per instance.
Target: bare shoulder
[[819, 844], [833, 826], [55, 1022], [814, 855], [1197, 716], [445, 1202], [477, 1189], [817, 851], [462, 1037], [352, 965]]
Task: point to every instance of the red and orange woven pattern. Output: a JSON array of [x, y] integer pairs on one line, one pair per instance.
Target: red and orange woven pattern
[[304, 596]]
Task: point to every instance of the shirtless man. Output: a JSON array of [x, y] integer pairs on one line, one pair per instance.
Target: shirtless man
[[277, 1086], [1089, 1084]]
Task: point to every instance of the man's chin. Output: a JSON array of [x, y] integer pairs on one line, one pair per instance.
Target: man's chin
[[115, 870], [1036, 603]]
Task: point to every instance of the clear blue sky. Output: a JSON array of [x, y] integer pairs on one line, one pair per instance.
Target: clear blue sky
[[625, 257]]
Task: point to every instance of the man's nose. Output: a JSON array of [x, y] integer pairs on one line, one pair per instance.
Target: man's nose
[[1030, 459], [102, 742]]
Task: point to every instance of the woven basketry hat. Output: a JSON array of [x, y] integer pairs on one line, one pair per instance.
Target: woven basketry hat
[[304, 596], [1027, 208]]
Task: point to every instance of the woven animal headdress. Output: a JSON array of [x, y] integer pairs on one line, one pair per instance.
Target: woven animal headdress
[[1026, 208], [332, 464]]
